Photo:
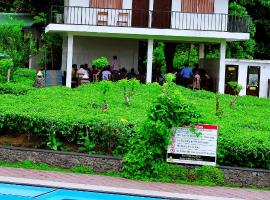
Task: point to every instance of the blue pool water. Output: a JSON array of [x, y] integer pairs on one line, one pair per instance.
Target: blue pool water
[[20, 192]]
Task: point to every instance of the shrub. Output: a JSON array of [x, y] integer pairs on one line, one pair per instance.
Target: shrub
[[147, 148], [101, 62], [172, 173], [24, 76], [243, 136], [5, 65], [208, 174], [14, 89]]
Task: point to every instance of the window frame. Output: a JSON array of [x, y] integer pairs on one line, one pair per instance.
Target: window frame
[[192, 6]]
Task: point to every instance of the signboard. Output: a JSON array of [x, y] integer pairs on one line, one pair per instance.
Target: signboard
[[188, 148]]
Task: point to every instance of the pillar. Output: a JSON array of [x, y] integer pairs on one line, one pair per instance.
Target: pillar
[[222, 70], [149, 61], [201, 51], [69, 60]]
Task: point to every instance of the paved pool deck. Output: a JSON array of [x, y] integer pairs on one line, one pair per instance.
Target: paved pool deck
[[120, 185]]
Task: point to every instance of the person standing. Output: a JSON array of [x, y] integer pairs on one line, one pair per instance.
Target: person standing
[[186, 74], [115, 68]]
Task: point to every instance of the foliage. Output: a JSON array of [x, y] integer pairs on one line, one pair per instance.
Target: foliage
[[50, 51], [84, 141], [244, 49], [5, 65], [243, 139], [145, 157], [21, 83], [15, 44], [100, 63], [237, 89], [185, 53], [209, 174], [24, 76], [129, 87]]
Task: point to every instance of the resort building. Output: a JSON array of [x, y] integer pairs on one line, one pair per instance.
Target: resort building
[[95, 28]]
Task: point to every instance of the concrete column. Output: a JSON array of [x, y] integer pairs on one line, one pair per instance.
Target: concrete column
[[69, 60], [202, 51], [149, 61], [221, 83]]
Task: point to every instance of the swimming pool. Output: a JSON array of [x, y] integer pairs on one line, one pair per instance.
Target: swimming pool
[[22, 192]]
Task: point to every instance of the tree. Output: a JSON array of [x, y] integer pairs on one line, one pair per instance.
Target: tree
[[15, 44], [244, 49]]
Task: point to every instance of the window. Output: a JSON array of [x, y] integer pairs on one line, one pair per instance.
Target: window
[[198, 6], [106, 4]]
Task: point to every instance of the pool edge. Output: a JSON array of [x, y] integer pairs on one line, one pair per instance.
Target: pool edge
[[106, 189]]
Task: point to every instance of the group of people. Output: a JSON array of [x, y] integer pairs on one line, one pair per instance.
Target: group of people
[[112, 72], [191, 78]]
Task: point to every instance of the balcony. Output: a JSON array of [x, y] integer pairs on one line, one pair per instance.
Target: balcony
[[71, 15]]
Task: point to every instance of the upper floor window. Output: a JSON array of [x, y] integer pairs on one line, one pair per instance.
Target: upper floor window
[[198, 6], [106, 4]]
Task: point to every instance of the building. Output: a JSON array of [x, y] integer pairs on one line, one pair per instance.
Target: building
[[115, 27]]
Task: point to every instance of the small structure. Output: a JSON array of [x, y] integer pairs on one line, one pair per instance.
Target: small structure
[[253, 75]]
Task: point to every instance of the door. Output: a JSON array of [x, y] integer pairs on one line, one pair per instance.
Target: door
[[230, 76], [253, 81], [140, 13], [161, 17]]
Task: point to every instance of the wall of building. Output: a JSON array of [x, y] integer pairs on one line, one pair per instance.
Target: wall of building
[[85, 49], [242, 73]]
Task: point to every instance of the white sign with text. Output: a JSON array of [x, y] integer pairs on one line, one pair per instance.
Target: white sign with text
[[188, 148]]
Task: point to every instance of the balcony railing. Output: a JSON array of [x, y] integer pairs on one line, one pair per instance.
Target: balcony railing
[[148, 19]]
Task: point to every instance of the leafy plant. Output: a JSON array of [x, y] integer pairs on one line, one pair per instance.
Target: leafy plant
[[53, 142], [237, 89], [129, 87], [209, 174], [6, 66], [86, 145], [148, 146], [101, 62]]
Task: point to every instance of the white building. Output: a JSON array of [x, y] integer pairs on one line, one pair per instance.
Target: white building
[[114, 27]]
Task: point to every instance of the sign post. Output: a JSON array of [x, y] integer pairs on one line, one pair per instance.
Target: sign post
[[188, 148]]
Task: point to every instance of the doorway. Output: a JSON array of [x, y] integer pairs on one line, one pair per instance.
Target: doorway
[[162, 14], [230, 76], [253, 81], [140, 13]]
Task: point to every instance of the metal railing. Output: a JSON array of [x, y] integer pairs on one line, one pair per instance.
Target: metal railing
[[148, 19]]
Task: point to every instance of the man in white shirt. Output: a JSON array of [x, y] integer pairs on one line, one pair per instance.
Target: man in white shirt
[[106, 74], [115, 64]]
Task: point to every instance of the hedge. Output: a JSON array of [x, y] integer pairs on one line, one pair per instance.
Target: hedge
[[244, 133]]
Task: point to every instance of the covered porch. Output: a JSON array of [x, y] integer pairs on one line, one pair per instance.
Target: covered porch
[[81, 50]]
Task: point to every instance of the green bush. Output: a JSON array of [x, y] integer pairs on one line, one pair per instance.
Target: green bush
[[101, 62], [147, 148], [5, 65], [22, 82], [172, 173], [208, 174], [243, 136], [24, 76], [14, 89]]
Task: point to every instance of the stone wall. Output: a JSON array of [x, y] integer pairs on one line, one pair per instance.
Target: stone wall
[[238, 176], [60, 159], [247, 177]]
